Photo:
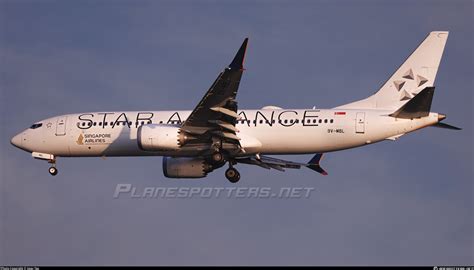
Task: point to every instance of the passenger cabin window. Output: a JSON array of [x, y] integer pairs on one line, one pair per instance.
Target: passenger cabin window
[[35, 126]]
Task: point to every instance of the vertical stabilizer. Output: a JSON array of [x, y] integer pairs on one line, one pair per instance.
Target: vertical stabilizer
[[415, 74]]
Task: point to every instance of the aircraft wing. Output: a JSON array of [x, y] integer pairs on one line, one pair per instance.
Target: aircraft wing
[[281, 165], [214, 118]]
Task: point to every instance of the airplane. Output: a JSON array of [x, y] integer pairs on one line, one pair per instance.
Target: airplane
[[195, 143]]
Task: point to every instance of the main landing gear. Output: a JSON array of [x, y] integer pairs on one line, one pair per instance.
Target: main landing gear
[[217, 157], [232, 175], [218, 160]]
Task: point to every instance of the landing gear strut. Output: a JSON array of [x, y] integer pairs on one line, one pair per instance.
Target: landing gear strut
[[53, 170], [232, 175]]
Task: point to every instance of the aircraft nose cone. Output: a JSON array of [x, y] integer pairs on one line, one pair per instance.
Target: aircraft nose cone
[[16, 140]]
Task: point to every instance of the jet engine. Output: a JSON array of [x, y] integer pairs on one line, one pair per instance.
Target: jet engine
[[185, 167], [155, 137]]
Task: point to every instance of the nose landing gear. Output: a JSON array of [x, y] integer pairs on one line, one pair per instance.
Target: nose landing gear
[[48, 157], [52, 170]]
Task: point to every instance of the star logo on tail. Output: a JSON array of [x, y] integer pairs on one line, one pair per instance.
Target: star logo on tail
[[409, 78]]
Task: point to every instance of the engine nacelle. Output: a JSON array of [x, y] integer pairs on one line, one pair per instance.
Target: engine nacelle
[[155, 137], [184, 167]]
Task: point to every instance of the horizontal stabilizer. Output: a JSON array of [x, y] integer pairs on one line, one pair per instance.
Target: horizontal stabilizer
[[446, 126], [418, 106], [313, 164]]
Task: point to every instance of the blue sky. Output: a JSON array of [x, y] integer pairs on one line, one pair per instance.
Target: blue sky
[[404, 202]]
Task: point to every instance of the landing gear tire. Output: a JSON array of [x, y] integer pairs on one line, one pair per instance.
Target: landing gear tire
[[232, 175], [217, 157], [53, 171]]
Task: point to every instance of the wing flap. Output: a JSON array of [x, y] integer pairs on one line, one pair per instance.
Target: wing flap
[[226, 112], [226, 135], [225, 125]]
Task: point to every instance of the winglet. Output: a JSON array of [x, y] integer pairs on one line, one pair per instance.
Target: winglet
[[238, 61], [313, 164]]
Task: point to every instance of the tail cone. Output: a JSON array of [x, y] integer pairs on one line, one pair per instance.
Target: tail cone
[[441, 117]]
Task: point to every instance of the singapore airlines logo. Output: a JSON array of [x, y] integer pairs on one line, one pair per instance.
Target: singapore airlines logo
[[412, 84], [80, 139]]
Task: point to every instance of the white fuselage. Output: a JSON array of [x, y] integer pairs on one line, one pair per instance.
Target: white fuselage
[[265, 131]]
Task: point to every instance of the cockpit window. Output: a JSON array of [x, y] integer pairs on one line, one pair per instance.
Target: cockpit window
[[34, 126]]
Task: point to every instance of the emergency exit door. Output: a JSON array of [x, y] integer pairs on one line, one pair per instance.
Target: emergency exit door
[[360, 122]]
